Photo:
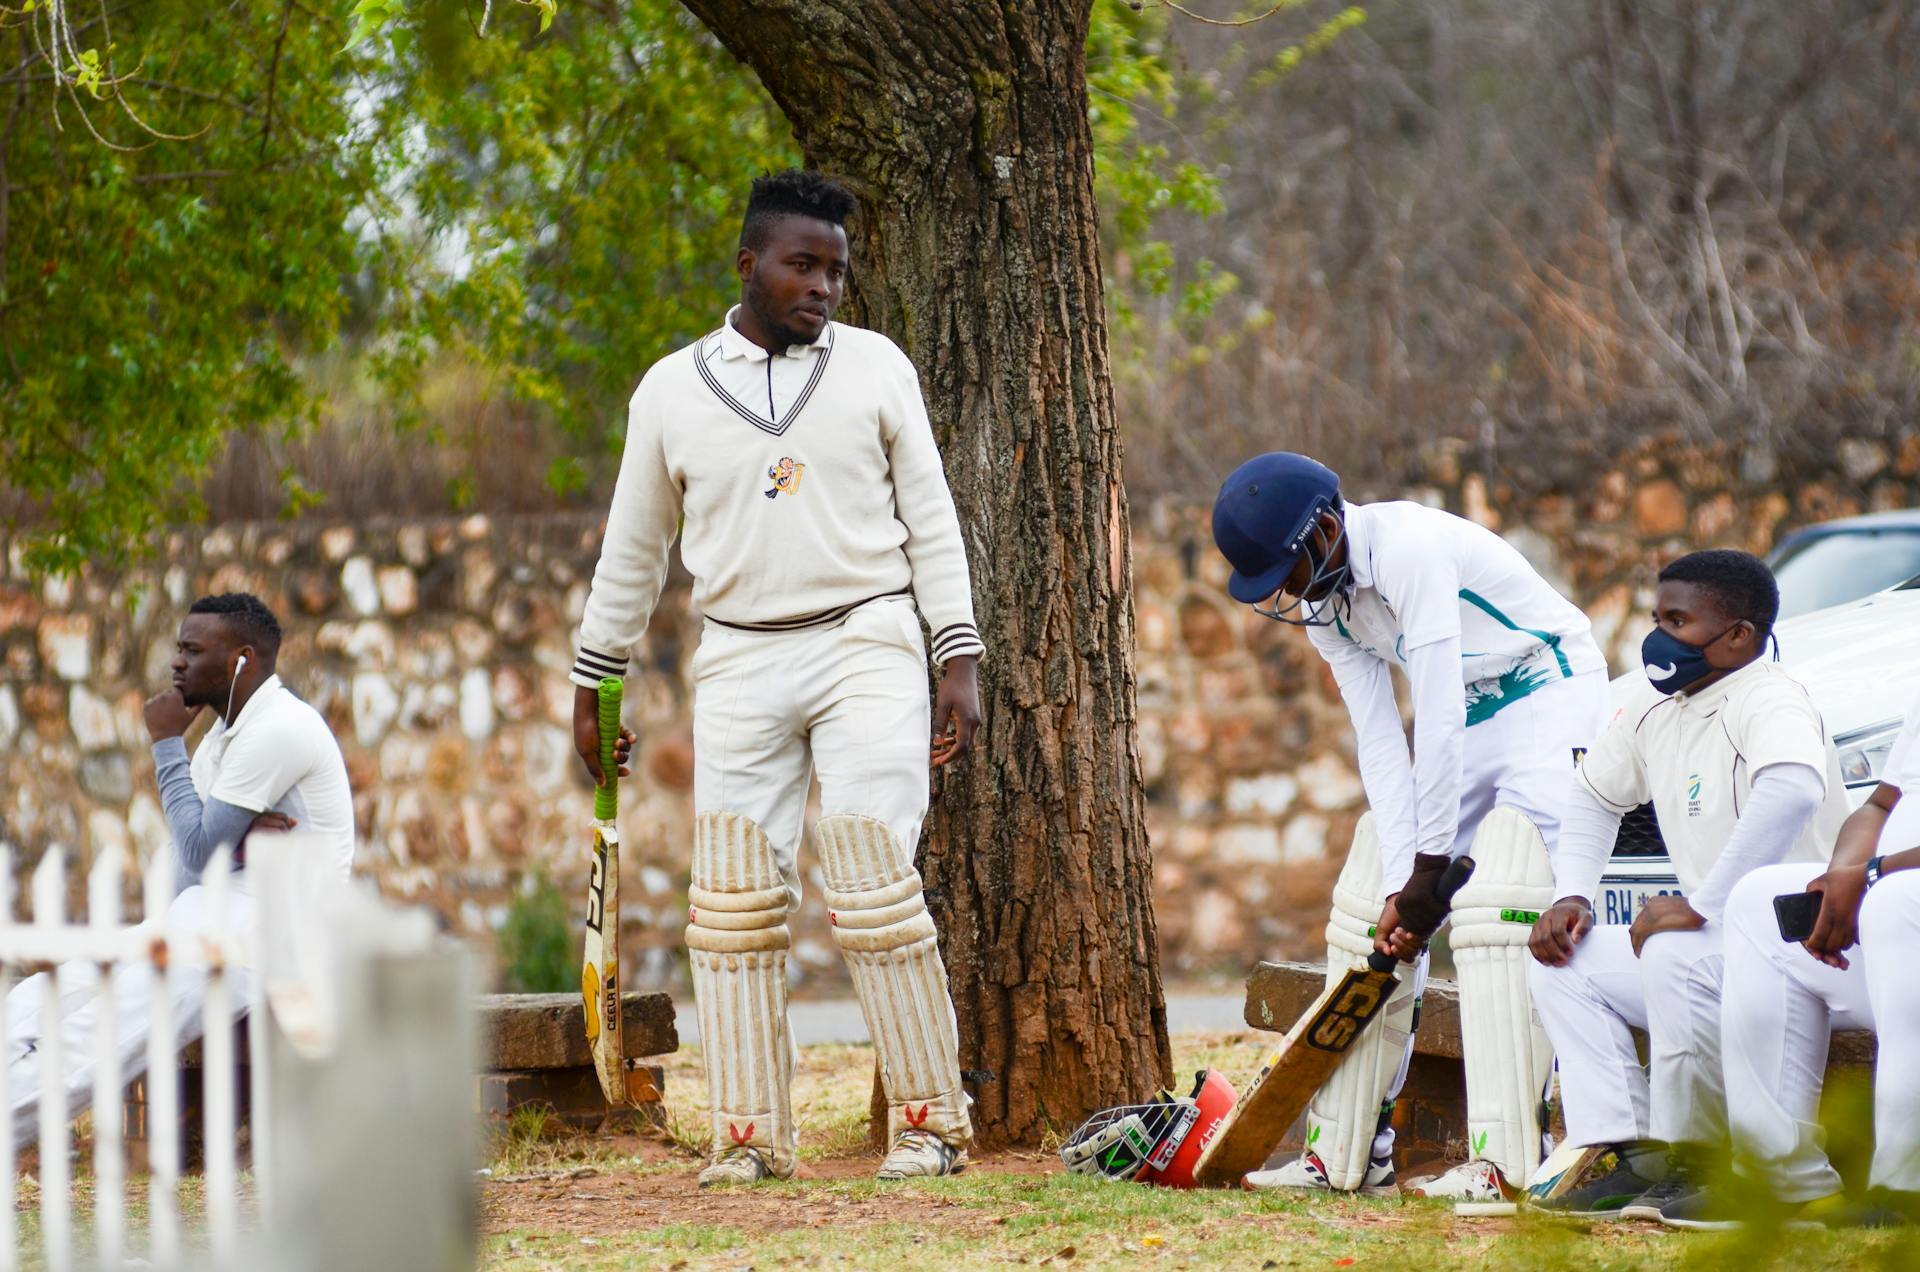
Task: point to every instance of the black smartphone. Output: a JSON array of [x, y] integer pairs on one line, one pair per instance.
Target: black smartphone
[[1796, 912]]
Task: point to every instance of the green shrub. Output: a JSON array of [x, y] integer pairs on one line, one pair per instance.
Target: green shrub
[[537, 947]]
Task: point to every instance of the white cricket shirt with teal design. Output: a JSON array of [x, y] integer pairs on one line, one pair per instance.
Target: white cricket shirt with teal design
[[1421, 575], [1474, 629]]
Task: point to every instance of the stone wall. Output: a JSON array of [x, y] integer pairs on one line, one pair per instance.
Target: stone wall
[[438, 652]]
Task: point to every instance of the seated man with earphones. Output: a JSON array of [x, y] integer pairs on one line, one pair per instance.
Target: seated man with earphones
[[268, 762]]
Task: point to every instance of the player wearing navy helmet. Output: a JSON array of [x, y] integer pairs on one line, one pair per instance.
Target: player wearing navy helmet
[[1508, 690]]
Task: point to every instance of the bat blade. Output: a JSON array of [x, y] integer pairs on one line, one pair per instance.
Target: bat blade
[[600, 958], [600, 970], [1292, 1072], [1562, 1169]]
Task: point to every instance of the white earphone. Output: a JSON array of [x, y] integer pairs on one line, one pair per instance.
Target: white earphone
[[234, 683]]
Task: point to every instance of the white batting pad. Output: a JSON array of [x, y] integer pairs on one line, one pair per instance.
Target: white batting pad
[[881, 922], [1345, 1113], [1507, 1053], [737, 943]]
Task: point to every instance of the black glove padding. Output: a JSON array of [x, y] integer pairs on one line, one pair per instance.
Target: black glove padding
[[1422, 908]]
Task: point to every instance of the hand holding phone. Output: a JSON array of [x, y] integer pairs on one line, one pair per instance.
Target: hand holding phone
[[1796, 913]]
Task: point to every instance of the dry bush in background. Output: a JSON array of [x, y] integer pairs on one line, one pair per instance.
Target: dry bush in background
[[1547, 231]]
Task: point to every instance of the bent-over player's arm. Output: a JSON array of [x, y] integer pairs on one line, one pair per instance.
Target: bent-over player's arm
[[1423, 581], [1386, 771], [941, 585], [1439, 744]]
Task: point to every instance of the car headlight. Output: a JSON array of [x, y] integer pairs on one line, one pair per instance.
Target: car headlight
[[1863, 752]]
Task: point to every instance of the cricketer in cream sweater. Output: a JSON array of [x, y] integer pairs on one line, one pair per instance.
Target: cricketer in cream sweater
[[793, 457]]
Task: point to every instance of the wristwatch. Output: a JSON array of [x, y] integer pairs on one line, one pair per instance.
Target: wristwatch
[[1873, 871]]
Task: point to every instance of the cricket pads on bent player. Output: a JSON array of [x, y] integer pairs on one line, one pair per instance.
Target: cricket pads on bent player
[[737, 943], [881, 923], [1345, 1111], [1507, 1053]]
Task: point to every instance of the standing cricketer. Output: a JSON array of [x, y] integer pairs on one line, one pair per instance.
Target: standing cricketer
[[794, 457], [1741, 773], [1781, 1001], [1508, 688]]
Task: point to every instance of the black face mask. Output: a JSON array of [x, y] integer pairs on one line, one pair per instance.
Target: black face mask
[[1672, 664]]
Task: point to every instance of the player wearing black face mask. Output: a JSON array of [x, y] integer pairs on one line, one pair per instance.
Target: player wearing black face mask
[[1738, 765]]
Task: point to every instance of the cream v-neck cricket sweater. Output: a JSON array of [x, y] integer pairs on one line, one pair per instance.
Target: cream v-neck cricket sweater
[[794, 504]]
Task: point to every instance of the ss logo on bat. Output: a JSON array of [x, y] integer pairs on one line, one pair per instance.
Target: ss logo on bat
[[597, 887], [1357, 1002]]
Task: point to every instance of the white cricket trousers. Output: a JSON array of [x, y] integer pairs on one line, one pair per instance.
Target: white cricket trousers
[[1521, 757], [1673, 992], [133, 987], [1782, 1005], [848, 701]]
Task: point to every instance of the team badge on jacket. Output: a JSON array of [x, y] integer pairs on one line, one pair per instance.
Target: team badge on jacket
[[785, 476]]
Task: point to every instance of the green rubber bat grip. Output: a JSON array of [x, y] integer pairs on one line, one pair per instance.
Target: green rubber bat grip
[[606, 797]]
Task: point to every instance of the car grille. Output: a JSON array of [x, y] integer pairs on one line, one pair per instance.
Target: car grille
[[1640, 835]]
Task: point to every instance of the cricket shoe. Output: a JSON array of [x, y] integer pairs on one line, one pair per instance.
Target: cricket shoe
[[736, 1165], [922, 1155], [1681, 1179], [1475, 1180], [1308, 1172], [1720, 1210], [1630, 1175]]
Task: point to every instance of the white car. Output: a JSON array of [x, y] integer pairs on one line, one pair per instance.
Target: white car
[[1861, 663]]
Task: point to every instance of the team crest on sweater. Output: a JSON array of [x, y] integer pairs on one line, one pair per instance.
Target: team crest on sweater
[[785, 476]]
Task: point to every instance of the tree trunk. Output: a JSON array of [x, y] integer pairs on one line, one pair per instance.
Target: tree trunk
[[963, 128]]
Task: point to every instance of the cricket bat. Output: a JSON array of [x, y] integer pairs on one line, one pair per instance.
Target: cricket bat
[[1305, 1059], [1563, 1168], [600, 968]]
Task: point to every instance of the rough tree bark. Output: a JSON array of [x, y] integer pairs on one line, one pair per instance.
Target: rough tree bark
[[963, 127]]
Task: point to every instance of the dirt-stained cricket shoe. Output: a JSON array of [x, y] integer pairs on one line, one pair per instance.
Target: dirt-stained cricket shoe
[[737, 1165], [922, 1155]]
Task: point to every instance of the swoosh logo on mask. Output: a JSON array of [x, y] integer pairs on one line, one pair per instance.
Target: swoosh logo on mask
[[1662, 673]]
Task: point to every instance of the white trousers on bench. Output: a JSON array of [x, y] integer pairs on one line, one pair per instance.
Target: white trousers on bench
[[1781, 1006], [133, 987], [1673, 992]]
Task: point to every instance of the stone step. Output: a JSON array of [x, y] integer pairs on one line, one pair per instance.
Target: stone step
[[523, 1032]]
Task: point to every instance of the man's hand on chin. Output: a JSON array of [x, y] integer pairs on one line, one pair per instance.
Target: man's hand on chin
[[168, 715]]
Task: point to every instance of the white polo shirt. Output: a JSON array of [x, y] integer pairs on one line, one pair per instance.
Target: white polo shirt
[[1695, 756], [280, 746]]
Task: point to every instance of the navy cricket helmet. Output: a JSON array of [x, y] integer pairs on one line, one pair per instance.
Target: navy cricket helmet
[[1264, 517]]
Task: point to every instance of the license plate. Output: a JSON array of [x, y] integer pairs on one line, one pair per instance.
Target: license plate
[[1620, 901]]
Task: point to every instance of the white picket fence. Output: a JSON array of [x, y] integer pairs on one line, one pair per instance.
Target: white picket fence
[[218, 949]]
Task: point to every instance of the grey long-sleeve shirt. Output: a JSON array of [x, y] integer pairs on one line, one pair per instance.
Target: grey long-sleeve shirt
[[200, 826]]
